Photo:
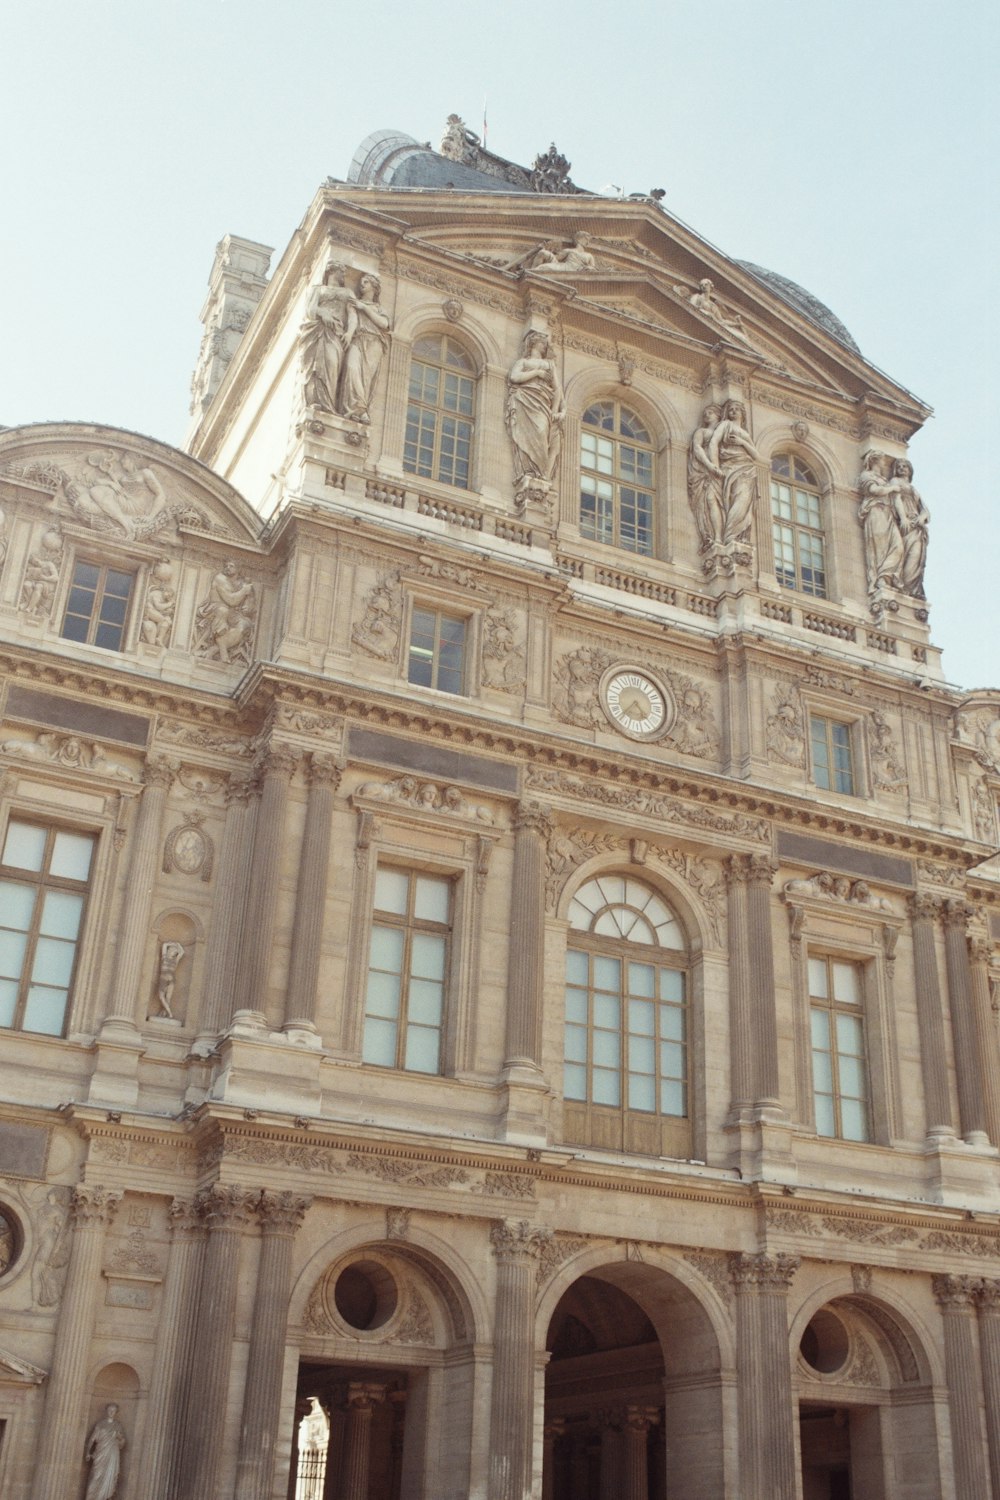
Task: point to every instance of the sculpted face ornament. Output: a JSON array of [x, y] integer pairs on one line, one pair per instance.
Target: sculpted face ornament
[[636, 703]]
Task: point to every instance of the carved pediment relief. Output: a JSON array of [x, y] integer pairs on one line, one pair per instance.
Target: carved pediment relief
[[119, 486]]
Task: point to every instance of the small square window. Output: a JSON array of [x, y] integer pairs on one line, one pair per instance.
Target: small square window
[[437, 651], [97, 607], [832, 755]]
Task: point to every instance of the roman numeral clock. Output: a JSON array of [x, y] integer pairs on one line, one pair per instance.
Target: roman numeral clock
[[636, 702]]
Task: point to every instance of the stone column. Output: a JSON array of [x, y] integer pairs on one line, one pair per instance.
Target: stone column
[[638, 1421], [356, 1461], [924, 909], [133, 925], [553, 1431], [516, 1247], [172, 1361], [397, 1400], [968, 1065], [988, 1308], [525, 975], [228, 1211], [257, 931], [764, 1375], [310, 896], [60, 1449], [610, 1465], [987, 1042], [231, 882], [280, 1215], [753, 1019], [956, 1297]]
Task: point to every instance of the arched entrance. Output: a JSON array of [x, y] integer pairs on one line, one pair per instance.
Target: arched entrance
[[633, 1401]]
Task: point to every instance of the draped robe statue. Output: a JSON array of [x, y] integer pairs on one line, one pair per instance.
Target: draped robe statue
[[534, 413], [103, 1453]]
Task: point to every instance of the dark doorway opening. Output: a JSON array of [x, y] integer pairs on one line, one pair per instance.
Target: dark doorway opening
[[349, 1432]]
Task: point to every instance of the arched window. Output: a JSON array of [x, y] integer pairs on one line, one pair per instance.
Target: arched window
[[625, 1067], [440, 411], [797, 526], [616, 478]]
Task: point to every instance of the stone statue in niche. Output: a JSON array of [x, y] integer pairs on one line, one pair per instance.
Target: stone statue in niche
[[913, 519], [576, 256], [171, 954], [103, 1453], [534, 413], [330, 324], [158, 609], [41, 576], [883, 538], [365, 352], [722, 487], [224, 621]]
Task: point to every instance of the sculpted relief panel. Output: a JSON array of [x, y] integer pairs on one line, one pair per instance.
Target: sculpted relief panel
[[576, 700]]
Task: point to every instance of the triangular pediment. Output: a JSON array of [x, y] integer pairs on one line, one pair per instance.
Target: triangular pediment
[[16, 1371]]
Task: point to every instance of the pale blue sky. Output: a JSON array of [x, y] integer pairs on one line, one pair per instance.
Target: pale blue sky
[[851, 146]]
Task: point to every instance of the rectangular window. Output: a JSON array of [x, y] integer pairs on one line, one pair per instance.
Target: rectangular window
[[97, 607], [407, 971], [44, 874], [626, 1034], [832, 754], [437, 651], [839, 1066]]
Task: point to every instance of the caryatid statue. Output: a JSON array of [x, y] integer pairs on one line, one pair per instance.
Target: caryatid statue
[[534, 413], [330, 324], [913, 517], [365, 351], [877, 512], [103, 1454], [722, 486]]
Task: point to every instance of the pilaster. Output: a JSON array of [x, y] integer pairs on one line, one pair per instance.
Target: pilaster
[[515, 1247], [764, 1375], [524, 1085], [956, 1297]]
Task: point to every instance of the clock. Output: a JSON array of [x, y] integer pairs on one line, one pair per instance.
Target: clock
[[636, 703]]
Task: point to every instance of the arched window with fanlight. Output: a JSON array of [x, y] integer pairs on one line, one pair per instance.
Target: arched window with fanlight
[[797, 526], [625, 1059], [616, 478], [440, 411]]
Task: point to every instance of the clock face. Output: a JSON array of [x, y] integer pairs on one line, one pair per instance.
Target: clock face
[[635, 702]]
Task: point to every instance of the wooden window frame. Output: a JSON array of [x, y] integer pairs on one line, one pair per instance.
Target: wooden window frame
[[618, 480], [410, 924], [798, 529], [830, 721], [94, 620], [439, 612], [831, 1007], [415, 405]]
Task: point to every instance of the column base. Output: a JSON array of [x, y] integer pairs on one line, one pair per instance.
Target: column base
[[960, 1175], [523, 1115], [762, 1145], [256, 1066], [303, 1034], [115, 1079]]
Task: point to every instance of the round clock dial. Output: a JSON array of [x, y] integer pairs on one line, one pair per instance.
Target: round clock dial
[[635, 702]]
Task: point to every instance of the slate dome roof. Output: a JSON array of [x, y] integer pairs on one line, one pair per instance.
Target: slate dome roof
[[803, 301]]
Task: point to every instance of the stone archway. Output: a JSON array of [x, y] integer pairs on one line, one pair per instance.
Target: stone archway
[[633, 1391]]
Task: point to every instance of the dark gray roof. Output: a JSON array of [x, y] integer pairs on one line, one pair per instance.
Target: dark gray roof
[[802, 301], [388, 158]]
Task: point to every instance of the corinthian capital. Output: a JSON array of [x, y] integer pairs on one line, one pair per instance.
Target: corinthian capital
[[773, 1272], [955, 1292], [750, 869], [227, 1206], [323, 770], [93, 1207], [278, 760], [159, 771], [534, 817], [956, 913], [517, 1240], [281, 1213], [923, 906]]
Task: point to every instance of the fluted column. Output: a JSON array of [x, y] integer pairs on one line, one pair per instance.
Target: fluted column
[[924, 910], [228, 1211], [516, 1247], [57, 1463], [988, 1308], [356, 1461], [525, 975], [231, 883], [753, 1018], [310, 896], [638, 1421], [609, 1462], [280, 1215], [172, 1361], [764, 1375], [553, 1431], [257, 932], [956, 1297], [133, 926], [968, 1064], [987, 1040]]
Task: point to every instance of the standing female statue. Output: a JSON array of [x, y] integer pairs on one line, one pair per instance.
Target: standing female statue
[[326, 333], [733, 450], [877, 514], [535, 412], [913, 517], [103, 1453], [704, 480], [365, 351]]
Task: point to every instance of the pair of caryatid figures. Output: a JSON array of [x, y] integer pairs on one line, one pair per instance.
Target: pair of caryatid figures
[[895, 520], [343, 342]]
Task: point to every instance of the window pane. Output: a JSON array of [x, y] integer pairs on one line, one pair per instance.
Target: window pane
[[391, 887], [61, 914], [382, 995], [53, 962], [379, 1043], [45, 1010], [17, 902], [13, 946], [672, 984], [820, 1022], [826, 1121], [387, 949], [846, 986], [24, 846], [577, 968], [817, 978], [642, 1094], [641, 1019], [432, 899], [574, 1081], [427, 956], [642, 979], [852, 1078], [423, 1049], [853, 1120], [575, 1048], [607, 1049], [672, 1061], [424, 1001], [641, 1054], [822, 1072], [576, 1006], [607, 1087], [673, 1098], [71, 855], [606, 1012], [8, 1001], [850, 1038], [671, 1023], [607, 974]]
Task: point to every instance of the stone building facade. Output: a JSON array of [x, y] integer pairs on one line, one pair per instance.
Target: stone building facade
[[498, 903]]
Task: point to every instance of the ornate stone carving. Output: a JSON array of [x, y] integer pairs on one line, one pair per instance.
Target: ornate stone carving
[[426, 796], [786, 740], [924, 906], [52, 1245], [694, 731], [388, 1169], [715, 1269], [939, 874], [863, 1368], [188, 848], [452, 309], [553, 1252], [646, 803], [226, 618], [184, 1216], [41, 575], [171, 953], [330, 324], [365, 351], [888, 772], [103, 1453], [92, 1206], [568, 848], [517, 1240], [67, 750], [861, 1279], [416, 1325], [722, 487], [555, 259], [504, 658], [397, 1223], [914, 519], [839, 888], [134, 1254], [774, 1272], [323, 770], [550, 173], [577, 676], [535, 816], [534, 413], [159, 605], [203, 739], [282, 1213], [894, 524], [705, 301], [227, 1206], [984, 816], [377, 632], [955, 1292]]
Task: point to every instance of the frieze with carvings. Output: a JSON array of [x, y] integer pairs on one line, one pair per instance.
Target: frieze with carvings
[[715, 1269], [882, 1236], [824, 416], [202, 739], [411, 269], [555, 1252], [117, 493], [838, 889], [426, 796], [646, 803], [68, 751]]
